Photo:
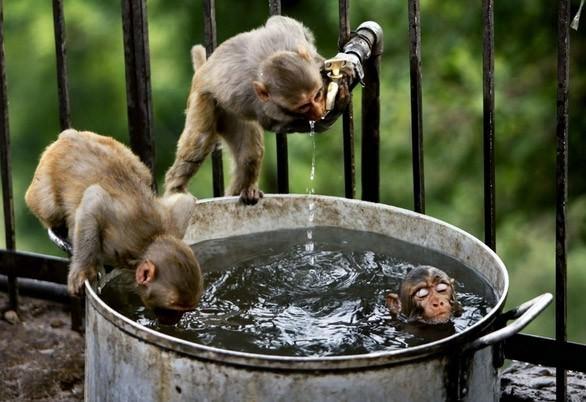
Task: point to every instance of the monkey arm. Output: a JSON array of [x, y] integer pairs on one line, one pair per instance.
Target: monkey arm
[[86, 237]]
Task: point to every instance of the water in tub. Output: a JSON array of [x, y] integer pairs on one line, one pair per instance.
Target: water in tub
[[268, 293]]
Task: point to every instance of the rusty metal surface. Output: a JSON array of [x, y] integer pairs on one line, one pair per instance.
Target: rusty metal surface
[[348, 116], [6, 171], [488, 124], [210, 41], [138, 81], [561, 242], [371, 115], [282, 148], [416, 105], [61, 59]]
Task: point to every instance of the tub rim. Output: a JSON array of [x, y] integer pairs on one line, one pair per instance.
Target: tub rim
[[453, 343]]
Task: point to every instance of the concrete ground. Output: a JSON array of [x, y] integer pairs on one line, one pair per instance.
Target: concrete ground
[[41, 358]]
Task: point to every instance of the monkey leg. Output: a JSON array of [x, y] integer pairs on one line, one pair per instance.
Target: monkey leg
[[179, 207], [246, 141], [41, 199], [86, 237], [196, 142]]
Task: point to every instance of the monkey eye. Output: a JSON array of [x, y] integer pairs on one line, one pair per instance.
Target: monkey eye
[[318, 95], [422, 292], [441, 287], [304, 108]]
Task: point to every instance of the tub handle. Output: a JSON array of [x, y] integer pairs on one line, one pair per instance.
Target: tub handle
[[524, 314]]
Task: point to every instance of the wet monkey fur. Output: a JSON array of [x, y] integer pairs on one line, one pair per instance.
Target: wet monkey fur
[[100, 191], [426, 295], [263, 79]]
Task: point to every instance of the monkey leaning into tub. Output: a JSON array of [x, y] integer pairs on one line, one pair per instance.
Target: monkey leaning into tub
[[101, 191]]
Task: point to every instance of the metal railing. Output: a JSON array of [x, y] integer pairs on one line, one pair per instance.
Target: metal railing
[[552, 352]]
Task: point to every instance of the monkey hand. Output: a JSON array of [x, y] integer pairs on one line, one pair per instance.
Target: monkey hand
[[77, 276], [251, 195]]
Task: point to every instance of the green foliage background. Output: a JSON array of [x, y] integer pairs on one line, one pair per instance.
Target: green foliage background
[[525, 37]]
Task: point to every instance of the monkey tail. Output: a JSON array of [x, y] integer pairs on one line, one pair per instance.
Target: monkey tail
[[198, 56]]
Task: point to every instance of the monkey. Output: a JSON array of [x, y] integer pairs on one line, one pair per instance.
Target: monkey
[[101, 192], [267, 78], [426, 295]]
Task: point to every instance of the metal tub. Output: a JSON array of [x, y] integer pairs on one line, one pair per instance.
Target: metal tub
[[128, 362]]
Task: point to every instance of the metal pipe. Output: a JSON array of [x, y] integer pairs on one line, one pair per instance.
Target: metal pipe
[[61, 56], [210, 40], [370, 32], [416, 105], [347, 116], [6, 169], [488, 138], [546, 352], [138, 81], [563, 78], [39, 289]]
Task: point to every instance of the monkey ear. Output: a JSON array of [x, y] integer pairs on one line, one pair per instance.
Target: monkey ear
[[394, 303], [145, 272], [303, 52], [261, 91]]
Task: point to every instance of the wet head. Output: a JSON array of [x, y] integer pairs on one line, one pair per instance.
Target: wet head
[[426, 295], [169, 277]]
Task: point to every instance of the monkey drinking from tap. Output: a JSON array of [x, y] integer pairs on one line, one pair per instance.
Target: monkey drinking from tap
[[100, 191], [426, 295], [266, 78]]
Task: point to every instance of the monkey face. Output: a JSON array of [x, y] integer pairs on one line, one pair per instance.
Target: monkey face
[[291, 87], [432, 301], [426, 295], [311, 105], [170, 277]]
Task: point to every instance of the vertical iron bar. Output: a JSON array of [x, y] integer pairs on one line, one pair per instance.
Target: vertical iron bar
[[138, 80], [370, 128], [347, 117], [210, 40], [275, 8], [5, 164], [563, 78], [282, 164], [76, 304], [61, 56], [488, 139], [416, 105]]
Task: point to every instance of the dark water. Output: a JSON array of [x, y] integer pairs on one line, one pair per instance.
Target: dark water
[[282, 294]]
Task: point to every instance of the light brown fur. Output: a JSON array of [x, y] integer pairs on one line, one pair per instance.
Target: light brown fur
[[262, 79], [101, 192]]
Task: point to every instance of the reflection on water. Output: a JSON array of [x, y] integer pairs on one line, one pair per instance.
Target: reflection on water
[[267, 293]]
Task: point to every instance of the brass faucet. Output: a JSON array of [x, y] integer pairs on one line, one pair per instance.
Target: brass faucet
[[333, 67]]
